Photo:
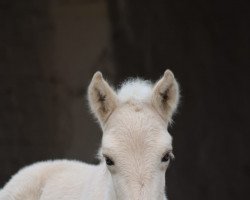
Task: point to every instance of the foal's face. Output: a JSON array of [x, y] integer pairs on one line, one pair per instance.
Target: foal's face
[[137, 149], [136, 146]]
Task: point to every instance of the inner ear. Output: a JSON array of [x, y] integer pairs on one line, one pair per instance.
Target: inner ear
[[164, 96], [102, 98]]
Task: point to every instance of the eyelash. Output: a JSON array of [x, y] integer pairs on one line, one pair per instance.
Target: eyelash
[[167, 157], [108, 160]]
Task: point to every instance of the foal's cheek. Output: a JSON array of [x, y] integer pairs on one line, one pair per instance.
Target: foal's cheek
[[164, 167], [112, 170]]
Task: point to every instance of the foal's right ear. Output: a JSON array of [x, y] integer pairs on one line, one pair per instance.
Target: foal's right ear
[[102, 98]]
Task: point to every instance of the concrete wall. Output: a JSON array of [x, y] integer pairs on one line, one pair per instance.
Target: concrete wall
[[49, 52]]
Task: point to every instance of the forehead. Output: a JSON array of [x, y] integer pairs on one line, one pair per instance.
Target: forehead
[[136, 126]]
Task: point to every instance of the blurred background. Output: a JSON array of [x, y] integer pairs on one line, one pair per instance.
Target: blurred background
[[49, 50]]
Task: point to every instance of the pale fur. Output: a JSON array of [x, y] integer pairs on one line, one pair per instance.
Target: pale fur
[[135, 137]]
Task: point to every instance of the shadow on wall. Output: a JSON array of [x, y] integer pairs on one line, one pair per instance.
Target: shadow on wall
[[51, 50]]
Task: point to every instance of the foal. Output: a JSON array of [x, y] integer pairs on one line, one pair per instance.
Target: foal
[[135, 151]]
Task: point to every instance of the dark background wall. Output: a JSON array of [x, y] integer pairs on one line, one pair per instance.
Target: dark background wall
[[50, 49]]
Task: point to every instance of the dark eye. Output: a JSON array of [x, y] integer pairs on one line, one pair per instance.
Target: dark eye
[[166, 158], [109, 161]]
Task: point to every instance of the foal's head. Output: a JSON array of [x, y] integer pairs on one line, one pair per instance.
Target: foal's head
[[136, 146]]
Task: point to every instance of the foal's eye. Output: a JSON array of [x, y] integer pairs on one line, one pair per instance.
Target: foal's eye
[[109, 161], [166, 157]]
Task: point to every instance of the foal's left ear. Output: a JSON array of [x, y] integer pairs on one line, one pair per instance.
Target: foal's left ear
[[102, 98], [166, 95]]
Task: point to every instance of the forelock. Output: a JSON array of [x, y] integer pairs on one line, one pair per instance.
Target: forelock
[[135, 90]]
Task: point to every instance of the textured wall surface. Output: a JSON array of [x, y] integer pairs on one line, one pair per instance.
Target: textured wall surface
[[49, 52]]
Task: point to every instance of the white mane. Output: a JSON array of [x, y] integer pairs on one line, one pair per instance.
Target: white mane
[[135, 89]]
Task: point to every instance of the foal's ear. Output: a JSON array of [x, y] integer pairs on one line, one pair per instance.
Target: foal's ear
[[102, 98], [166, 95]]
